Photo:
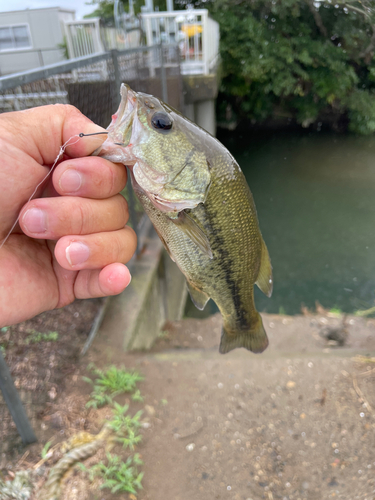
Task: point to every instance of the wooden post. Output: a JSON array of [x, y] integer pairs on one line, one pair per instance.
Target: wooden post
[[14, 404]]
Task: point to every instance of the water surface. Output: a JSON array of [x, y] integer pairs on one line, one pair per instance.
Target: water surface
[[315, 196]]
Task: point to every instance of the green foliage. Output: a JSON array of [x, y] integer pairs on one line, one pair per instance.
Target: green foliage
[[109, 384], [137, 396], [64, 47], [45, 449], [290, 58], [125, 426], [4, 329], [335, 310], [361, 111], [117, 475], [36, 337]]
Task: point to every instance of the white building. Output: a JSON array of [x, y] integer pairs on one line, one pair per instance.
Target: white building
[[30, 38]]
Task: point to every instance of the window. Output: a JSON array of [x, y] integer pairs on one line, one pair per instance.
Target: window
[[14, 37]]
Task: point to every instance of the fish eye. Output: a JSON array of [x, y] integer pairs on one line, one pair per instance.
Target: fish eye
[[161, 122]]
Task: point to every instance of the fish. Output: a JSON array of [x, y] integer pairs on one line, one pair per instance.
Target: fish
[[198, 200]]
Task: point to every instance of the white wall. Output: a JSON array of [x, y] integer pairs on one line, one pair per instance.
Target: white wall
[[46, 32]]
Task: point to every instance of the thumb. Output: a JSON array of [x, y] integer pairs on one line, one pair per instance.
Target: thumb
[[42, 131]]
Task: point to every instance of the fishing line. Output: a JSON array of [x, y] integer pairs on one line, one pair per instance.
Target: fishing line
[[61, 152]]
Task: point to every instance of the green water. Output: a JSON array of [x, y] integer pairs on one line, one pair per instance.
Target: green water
[[315, 196]]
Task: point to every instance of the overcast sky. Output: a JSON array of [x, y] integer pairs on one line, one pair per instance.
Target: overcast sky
[[78, 5]]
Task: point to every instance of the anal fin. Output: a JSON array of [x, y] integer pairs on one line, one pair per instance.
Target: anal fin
[[199, 298], [265, 279]]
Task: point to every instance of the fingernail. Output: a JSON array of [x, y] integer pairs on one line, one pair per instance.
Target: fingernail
[[70, 181], [35, 220], [77, 253]]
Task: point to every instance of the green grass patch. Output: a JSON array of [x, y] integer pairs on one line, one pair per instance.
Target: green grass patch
[[36, 337], [117, 475], [110, 383]]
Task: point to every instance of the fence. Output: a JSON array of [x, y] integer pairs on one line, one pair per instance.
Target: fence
[[92, 83], [195, 32], [90, 36]]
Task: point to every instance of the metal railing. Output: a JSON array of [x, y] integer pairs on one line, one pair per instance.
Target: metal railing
[[196, 34], [12, 61], [193, 30], [89, 36], [83, 37]]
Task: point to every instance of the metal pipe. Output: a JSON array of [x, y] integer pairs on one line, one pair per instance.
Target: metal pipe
[[15, 405]]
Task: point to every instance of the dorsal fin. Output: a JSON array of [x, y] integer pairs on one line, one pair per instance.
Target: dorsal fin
[[265, 279]]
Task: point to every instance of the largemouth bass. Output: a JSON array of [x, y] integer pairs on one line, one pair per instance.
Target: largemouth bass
[[198, 200]]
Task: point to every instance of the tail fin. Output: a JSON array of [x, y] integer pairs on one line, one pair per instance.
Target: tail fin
[[254, 340]]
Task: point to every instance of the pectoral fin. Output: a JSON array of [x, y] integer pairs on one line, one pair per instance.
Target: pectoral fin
[[265, 280], [199, 298], [193, 231]]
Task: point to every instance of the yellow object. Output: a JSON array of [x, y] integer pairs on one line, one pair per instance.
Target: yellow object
[[191, 29]]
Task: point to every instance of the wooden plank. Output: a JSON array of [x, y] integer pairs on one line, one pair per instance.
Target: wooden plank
[[14, 404]]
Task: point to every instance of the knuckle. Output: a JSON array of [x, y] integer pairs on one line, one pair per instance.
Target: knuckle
[[131, 241], [76, 216]]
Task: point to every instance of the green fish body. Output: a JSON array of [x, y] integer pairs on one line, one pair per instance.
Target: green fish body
[[198, 200]]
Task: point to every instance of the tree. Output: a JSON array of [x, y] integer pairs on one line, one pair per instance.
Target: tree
[[301, 58]]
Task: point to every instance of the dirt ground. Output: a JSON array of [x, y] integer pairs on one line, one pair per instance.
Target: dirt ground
[[297, 422]]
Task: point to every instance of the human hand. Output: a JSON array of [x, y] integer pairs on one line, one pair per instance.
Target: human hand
[[73, 243]]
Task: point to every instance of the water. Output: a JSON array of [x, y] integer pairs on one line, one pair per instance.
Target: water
[[315, 196]]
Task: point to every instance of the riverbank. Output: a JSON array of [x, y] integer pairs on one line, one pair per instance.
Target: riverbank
[[295, 422]]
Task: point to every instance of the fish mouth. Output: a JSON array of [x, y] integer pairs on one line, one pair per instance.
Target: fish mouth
[[120, 129], [116, 147]]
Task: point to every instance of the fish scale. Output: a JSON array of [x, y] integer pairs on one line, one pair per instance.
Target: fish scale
[[201, 208]]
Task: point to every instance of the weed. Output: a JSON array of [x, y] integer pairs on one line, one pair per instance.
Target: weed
[[137, 396], [2, 349], [109, 384], [4, 329], [336, 311], [45, 449], [118, 476], [125, 426], [36, 337], [282, 310]]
